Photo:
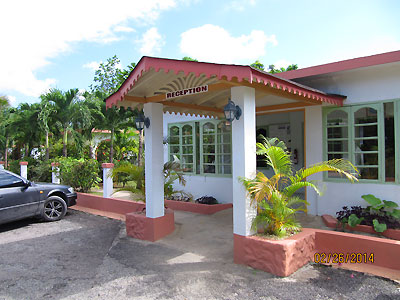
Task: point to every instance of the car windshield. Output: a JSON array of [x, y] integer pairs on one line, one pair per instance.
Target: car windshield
[[9, 180]]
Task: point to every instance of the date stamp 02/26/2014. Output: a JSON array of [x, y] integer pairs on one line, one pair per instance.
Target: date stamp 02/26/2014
[[341, 258]]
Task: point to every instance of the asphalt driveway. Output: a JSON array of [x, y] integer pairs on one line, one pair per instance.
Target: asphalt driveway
[[89, 257]]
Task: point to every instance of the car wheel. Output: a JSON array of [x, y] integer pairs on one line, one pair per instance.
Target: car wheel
[[54, 209]]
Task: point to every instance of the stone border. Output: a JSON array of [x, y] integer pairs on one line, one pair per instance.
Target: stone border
[[118, 206], [198, 208], [283, 257], [389, 233], [150, 229]]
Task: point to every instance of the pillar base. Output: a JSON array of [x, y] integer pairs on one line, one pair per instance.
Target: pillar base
[[150, 229]]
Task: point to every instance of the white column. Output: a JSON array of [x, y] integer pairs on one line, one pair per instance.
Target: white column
[[55, 174], [107, 179], [2, 163], [24, 169], [243, 158], [154, 160], [313, 140]]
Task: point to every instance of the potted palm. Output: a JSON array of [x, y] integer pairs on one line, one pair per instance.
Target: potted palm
[[275, 196], [277, 206]]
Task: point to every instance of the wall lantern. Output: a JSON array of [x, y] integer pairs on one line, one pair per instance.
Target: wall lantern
[[232, 111], [142, 121]]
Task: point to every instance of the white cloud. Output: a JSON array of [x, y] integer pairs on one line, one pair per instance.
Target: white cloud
[[240, 5], [123, 29], [282, 63], [214, 44], [12, 100], [151, 42], [94, 65], [34, 32]]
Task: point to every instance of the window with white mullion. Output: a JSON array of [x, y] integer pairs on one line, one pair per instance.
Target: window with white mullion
[[337, 136], [366, 142]]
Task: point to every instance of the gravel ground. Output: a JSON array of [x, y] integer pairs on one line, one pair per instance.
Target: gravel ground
[[89, 257]]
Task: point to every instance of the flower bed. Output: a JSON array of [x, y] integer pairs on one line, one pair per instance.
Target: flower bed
[[283, 257], [198, 208], [389, 233]]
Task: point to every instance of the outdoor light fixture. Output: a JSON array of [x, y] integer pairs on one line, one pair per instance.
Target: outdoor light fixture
[[232, 111], [142, 121]]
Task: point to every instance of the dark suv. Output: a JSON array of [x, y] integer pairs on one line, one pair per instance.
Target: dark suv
[[21, 198]]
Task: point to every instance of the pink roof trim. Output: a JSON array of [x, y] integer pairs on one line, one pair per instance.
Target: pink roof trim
[[231, 72], [349, 64]]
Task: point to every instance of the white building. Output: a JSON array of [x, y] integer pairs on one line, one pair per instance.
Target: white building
[[348, 109]]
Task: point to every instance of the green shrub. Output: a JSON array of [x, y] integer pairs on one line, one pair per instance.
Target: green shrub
[[40, 172], [81, 174]]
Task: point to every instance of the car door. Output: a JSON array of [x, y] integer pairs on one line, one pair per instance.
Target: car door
[[17, 198]]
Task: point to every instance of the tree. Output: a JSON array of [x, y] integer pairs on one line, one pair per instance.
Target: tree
[[275, 196], [258, 65], [273, 70], [188, 58], [108, 78], [69, 111], [45, 118], [26, 127]]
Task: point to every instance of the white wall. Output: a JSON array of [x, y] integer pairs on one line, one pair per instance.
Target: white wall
[[197, 185], [361, 85]]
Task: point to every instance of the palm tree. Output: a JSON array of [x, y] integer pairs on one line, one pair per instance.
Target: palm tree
[[69, 111], [45, 119], [275, 196], [26, 126]]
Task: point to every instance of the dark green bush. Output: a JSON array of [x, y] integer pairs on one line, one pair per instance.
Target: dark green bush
[[81, 174]]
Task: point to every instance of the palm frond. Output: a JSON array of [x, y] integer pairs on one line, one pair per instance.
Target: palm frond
[[340, 166]]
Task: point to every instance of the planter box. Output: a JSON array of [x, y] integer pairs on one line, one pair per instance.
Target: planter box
[[279, 257], [118, 206], [389, 233], [150, 229], [283, 257], [205, 209]]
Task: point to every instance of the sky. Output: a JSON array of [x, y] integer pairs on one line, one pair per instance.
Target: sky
[[59, 44]]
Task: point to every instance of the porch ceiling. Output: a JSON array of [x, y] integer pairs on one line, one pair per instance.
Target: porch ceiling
[[153, 78]]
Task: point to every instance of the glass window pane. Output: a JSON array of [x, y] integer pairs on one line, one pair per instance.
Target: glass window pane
[[366, 145], [174, 130], [174, 149], [366, 159], [208, 139], [224, 159], [338, 155], [226, 148], [337, 117], [223, 128], [208, 128], [187, 140], [338, 146], [209, 149], [187, 130], [187, 149], [187, 168], [209, 169], [174, 140], [337, 132], [389, 142], [368, 173], [366, 131], [187, 159], [225, 169], [208, 159], [366, 115]]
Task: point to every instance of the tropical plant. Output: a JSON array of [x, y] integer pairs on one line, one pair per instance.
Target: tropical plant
[[275, 196], [81, 174], [135, 177]]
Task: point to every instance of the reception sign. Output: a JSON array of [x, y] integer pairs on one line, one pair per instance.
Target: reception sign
[[187, 92]]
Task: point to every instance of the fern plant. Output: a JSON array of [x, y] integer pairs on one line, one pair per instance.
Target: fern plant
[[275, 197]]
